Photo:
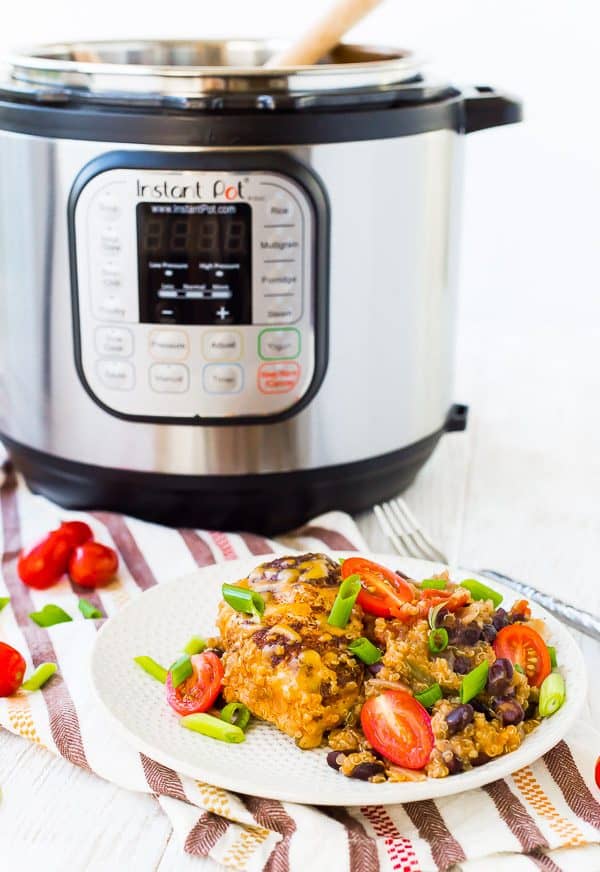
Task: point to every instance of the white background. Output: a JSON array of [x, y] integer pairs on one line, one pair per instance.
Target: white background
[[529, 353]]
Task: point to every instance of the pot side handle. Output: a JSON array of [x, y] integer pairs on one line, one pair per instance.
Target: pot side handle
[[485, 107]]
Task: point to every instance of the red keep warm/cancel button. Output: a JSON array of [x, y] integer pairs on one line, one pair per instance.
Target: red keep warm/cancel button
[[278, 378]]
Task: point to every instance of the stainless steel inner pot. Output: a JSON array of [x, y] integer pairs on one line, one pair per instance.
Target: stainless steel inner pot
[[192, 68]]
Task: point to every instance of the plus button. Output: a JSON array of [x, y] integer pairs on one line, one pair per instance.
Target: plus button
[[222, 313]]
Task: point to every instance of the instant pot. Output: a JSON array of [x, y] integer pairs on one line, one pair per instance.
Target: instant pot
[[227, 293]]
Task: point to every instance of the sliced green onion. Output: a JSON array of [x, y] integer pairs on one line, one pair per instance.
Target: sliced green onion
[[481, 591], [433, 615], [50, 615], [552, 653], [438, 640], [474, 681], [4, 601], [213, 727], [40, 676], [152, 668], [236, 713], [344, 601], [552, 694], [243, 600], [433, 584], [365, 651], [88, 609], [181, 670], [196, 645], [430, 696], [519, 668]]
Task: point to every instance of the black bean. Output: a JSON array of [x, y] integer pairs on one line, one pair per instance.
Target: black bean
[[462, 634], [462, 664], [484, 708], [509, 711], [332, 759], [488, 633], [500, 619], [481, 758], [499, 677], [441, 616], [375, 668], [364, 771], [459, 718], [531, 710], [454, 765], [472, 633], [517, 616]]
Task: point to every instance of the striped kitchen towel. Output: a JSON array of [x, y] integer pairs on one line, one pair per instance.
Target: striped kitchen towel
[[545, 816]]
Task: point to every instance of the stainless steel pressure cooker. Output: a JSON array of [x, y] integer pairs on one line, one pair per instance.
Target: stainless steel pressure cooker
[[227, 293]]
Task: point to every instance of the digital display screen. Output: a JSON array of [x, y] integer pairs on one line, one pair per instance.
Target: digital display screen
[[195, 263]]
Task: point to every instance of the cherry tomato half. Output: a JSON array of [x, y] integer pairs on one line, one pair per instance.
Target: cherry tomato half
[[93, 564], [597, 773], [198, 692], [12, 670], [398, 727], [523, 645], [383, 592], [43, 565], [75, 532]]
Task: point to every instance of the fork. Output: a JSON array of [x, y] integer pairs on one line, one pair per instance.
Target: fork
[[410, 539]]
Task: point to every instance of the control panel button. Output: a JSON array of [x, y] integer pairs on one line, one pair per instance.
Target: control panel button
[[110, 241], [112, 276], [280, 208], [169, 344], [108, 205], [112, 308], [222, 345], [278, 378], [118, 375], [169, 378], [116, 341], [281, 311], [220, 379], [276, 344]]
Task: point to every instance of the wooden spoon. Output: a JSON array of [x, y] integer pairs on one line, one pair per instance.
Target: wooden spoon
[[319, 39]]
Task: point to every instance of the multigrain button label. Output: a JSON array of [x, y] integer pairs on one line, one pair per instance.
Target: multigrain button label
[[278, 378], [278, 244]]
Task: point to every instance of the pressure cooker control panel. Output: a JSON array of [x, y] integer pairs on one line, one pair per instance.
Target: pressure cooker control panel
[[195, 292]]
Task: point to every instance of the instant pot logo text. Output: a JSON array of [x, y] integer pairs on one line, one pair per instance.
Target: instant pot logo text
[[168, 191]]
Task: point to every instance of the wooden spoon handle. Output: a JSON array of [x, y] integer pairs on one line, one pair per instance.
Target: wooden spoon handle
[[323, 35]]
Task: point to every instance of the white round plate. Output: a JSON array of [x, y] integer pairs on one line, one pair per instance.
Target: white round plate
[[268, 763]]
